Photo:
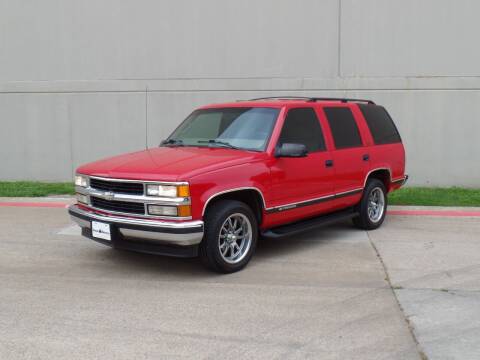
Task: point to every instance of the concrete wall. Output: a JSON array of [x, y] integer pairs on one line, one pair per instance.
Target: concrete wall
[[81, 80]]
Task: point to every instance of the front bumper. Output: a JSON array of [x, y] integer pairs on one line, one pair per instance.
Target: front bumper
[[144, 235]]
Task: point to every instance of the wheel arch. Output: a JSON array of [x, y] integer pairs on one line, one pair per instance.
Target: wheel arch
[[383, 174], [251, 196]]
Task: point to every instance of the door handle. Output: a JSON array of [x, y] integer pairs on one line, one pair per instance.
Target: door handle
[[366, 157], [328, 163]]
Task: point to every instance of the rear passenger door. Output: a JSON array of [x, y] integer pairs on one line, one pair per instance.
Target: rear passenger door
[[350, 155]]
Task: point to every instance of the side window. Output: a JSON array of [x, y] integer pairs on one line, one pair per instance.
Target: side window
[[344, 128], [380, 124], [301, 126]]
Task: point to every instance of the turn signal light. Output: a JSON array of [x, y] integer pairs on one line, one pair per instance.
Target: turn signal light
[[183, 191], [184, 210]]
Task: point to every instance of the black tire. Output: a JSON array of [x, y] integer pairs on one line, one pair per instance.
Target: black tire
[[363, 221], [215, 217]]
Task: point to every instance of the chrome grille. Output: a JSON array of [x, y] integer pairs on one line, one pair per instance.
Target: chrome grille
[[132, 188], [126, 197]]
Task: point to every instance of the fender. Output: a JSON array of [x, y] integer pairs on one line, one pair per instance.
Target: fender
[[213, 196]]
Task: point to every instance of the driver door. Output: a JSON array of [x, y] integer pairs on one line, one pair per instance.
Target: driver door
[[301, 185]]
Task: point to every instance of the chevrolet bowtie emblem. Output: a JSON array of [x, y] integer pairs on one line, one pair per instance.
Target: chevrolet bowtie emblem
[[109, 195]]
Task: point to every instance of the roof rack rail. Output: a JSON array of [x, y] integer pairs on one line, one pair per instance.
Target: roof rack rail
[[314, 99], [282, 97], [343, 100]]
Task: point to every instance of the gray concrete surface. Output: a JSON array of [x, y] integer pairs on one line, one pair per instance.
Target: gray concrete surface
[[84, 80], [434, 266], [335, 293], [322, 295]]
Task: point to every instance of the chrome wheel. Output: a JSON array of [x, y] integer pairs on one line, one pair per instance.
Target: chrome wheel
[[376, 205], [235, 238]]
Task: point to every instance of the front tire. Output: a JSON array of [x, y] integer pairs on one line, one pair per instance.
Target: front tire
[[231, 233], [372, 207]]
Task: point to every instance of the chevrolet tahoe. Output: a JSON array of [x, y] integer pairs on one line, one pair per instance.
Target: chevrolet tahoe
[[232, 173]]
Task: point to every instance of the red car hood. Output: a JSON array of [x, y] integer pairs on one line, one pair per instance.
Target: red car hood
[[168, 163]]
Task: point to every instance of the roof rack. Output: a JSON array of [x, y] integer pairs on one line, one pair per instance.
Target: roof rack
[[314, 99], [281, 97], [343, 100]]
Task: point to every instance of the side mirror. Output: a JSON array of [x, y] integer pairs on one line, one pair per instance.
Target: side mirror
[[291, 150]]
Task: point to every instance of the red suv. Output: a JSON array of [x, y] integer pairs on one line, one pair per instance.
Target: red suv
[[232, 172]]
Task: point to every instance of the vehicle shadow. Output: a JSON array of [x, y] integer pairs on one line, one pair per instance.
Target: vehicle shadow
[[131, 262], [147, 263], [304, 242]]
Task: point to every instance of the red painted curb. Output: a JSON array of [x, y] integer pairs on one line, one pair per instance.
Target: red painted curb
[[35, 204], [454, 213]]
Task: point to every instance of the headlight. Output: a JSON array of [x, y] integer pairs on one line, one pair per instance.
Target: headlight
[[81, 180], [168, 190]]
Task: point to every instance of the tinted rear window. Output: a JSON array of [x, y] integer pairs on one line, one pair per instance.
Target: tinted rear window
[[344, 128], [380, 124]]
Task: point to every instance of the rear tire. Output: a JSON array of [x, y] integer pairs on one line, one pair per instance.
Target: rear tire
[[230, 239], [372, 207]]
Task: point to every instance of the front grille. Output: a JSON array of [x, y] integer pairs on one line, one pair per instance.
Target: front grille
[[131, 188], [119, 206]]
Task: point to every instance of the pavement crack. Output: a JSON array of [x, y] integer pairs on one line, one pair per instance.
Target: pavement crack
[[421, 353], [445, 290]]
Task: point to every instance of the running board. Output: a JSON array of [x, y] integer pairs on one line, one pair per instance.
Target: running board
[[310, 224]]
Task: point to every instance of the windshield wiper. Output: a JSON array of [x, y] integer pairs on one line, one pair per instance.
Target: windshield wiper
[[218, 142], [176, 142]]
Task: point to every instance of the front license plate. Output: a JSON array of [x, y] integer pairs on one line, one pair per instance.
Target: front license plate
[[101, 230]]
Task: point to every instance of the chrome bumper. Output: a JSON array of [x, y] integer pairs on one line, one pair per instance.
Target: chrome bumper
[[183, 233]]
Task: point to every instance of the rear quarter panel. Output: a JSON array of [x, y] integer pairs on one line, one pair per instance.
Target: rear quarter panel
[[389, 156], [386, 156]]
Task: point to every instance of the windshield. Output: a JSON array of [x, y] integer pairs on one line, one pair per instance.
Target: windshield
[[244, 128]]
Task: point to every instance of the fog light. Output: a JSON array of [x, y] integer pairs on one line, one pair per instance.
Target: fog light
[[82, 198], [162, 210]]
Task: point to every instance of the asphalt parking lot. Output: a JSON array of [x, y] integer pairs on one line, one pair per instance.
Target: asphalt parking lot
[[410, 290]]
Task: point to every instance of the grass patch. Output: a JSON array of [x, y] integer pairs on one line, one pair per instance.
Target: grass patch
[[34, 188], [405, 196], [453, 196]]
